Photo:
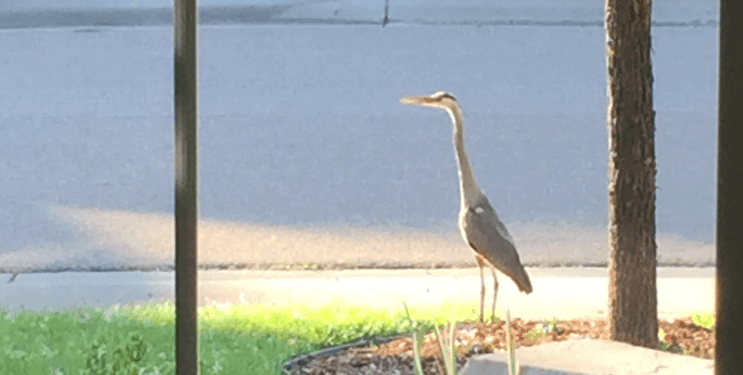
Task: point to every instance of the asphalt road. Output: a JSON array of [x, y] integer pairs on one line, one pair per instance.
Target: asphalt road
[[309, 133]]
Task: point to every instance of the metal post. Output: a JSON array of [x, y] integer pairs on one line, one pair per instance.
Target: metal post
[[186, 209], [729, 329]]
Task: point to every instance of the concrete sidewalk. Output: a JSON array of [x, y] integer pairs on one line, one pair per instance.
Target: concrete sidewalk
[[560, 293], [590, 356]]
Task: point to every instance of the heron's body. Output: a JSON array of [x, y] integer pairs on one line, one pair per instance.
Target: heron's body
[[488, 238], [480, 226]]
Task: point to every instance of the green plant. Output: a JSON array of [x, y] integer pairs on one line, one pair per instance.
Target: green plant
[[125, 360], [417, 342], [535, 334], [417, 345], [448, 351], [662, 339], [549, 326], [543, 329], [704, 320], [514, 368], [446, 342]]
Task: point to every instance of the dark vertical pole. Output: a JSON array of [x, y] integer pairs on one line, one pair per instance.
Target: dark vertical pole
[[186, 209], [386, 18], [729, 329]]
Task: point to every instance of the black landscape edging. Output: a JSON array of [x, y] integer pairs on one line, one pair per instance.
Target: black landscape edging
[[294, 365]]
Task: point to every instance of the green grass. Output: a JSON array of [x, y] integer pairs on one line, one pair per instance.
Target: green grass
[[234, 340]]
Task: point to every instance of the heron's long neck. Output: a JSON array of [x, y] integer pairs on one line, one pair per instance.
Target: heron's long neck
[[468, 189]]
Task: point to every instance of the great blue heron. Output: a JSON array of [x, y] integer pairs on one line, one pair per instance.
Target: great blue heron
[[478, 222]]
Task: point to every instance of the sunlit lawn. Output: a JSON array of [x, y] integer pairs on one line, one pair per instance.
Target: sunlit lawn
[[234, 339]]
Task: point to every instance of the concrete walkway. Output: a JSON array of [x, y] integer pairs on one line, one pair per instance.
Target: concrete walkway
[[558, 292], [561, 293], [590, 356]]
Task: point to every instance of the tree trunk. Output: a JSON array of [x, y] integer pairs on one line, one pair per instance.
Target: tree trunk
[[633, 306]]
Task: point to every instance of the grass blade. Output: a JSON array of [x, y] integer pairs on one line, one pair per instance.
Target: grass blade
[[448, 353], [513, 365]]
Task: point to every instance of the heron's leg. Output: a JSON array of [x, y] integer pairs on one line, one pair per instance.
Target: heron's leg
[[495, 293], [481, 263]]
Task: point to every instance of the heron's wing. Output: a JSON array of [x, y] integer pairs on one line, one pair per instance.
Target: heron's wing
[[488, 237]]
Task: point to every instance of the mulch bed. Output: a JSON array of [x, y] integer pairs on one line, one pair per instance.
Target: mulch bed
[[393, 356]]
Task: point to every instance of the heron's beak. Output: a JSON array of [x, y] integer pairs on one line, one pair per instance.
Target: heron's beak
[[416, 100]]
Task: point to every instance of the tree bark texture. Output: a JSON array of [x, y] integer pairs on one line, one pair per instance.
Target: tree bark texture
[[633, 310]]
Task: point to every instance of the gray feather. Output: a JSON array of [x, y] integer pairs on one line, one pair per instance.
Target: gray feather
[[486, 234]]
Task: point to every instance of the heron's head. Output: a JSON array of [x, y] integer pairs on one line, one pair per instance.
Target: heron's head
[[439, 99]]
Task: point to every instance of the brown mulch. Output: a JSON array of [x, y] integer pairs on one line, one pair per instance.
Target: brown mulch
[[395, 357]]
